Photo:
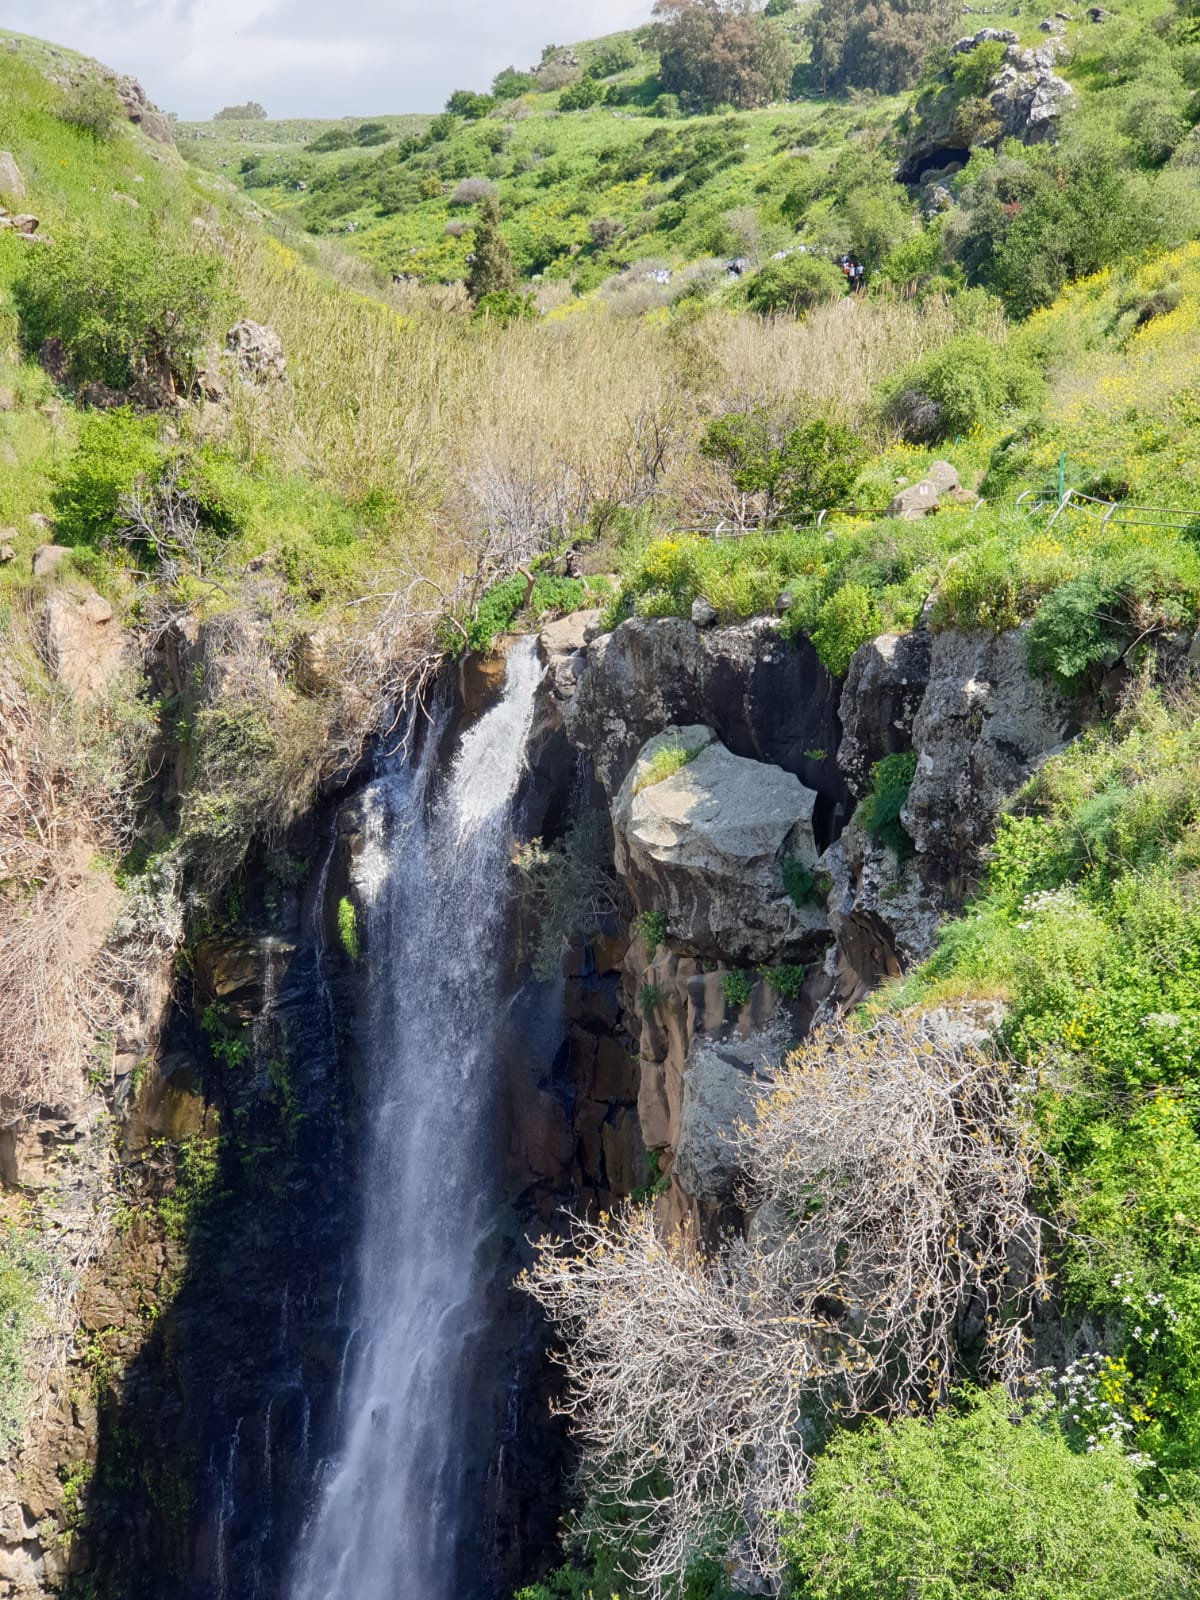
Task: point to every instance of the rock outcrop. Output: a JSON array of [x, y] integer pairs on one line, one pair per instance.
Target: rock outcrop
[[12, 183], [83, 647], [707, 846], [765, 698], [258, 352]]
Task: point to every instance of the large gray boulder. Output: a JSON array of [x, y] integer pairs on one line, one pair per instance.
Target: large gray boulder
[[12, 184], [766, 698], [706, 845]]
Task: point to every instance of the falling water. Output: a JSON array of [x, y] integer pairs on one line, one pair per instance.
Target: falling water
[[397, 1518]]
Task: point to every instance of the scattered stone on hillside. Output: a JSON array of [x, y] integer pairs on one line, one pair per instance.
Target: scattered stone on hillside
[[82, 648], [8, 400], [703, 614], [47, 558], [313, 671], [920, 498], [7, 551], [1052, 25], [259, 352], [40, 521], [962, 47], [1028, 98], [12, 184], [706, 845], [96, 396], [125, 199], [22, 223]]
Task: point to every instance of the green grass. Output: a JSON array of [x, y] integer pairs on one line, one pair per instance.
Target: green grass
[[666, 761]]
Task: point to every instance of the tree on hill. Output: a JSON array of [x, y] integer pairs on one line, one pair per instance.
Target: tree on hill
[[491, 270], [252, 111], [879, 44], [720, 51]]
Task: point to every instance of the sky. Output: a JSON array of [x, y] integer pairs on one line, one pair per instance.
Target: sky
[[319, 58]]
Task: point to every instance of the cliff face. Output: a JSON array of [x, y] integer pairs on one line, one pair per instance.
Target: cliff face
[[196, 1381]]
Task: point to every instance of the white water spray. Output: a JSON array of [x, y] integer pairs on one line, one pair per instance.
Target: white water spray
[[395, 1519]]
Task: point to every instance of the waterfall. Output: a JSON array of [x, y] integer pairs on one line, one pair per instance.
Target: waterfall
[[396, 1518]]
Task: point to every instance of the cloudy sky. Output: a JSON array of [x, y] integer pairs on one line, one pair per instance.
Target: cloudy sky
[[324, 58]]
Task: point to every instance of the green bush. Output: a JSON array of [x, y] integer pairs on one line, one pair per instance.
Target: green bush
[[134, 300], [329, 141], [797, 471], [737, 988], [504, 602], [504, 306], [786, 981], [471, 107], [963, 386], [652, 925], [794, 285], [844, 622], [93, 107], [114, 449], [879, 811], [581, 95], [980, 1503], [802, 886]]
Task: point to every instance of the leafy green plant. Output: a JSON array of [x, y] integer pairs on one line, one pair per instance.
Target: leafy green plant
[[846, 620], [652, 925], [985, 1501], [347, 926], [670, 757], [505, 601], [656, 1184], [21, 1267], [880, 808], [737, 987], [196, 1181], [652, 997], [803, 886], [795, 285], [796, 471], [132, 301], [114, 450], [787, 981], [963, 386]]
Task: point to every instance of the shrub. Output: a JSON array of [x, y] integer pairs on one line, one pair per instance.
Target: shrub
[[618, 56], [962, 386], [503, 306], [568, 888], [511, 84], [470, 191], [980, 1502], [368, 134], [737, 988], [792, 473], [879, 811], [843, 622], [20, 1268], [430, 187], [347, 926], [786, 981], [93, 107], [114, 449], [133, 301], [329, 141], [652, 925], [711, 54], [470, 106], [252, 111], [802, 886], [503, 603], [580, 95], [795, 285], [882, 47], [492, 271]]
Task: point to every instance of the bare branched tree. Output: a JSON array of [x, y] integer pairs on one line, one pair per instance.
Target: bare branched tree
[[895, 1249]]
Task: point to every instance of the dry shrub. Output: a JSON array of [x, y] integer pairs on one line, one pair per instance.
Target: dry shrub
[[895, 1248], [69, 777]]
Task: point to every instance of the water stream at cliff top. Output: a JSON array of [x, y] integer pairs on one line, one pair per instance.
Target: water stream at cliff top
[[396, 1518]]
